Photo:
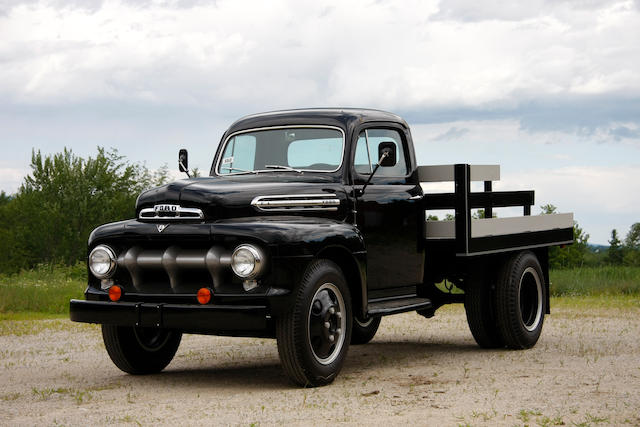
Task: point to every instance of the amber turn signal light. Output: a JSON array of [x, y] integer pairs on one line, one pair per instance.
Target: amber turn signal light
[[204, 295], [115, 292]]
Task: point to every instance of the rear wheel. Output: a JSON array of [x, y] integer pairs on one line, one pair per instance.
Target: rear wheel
[[313, 338], [521, 301], [479, 306], [140, 350], [363, 331]]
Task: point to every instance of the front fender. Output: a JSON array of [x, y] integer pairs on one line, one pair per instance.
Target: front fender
[[293, 242]]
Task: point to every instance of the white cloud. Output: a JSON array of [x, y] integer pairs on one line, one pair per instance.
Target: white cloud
[[602, 198], [150, 76], [453, 133], [577, 173], [609, 190], [11, 178], [286, 53]]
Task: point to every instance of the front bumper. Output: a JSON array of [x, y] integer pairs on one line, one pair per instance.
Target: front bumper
[[211, 318]]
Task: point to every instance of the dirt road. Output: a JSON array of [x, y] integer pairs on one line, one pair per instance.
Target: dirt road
[[585, 369]]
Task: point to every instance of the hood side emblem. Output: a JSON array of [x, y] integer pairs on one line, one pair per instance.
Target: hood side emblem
[[297, 202], [167, 212], [161, 227]]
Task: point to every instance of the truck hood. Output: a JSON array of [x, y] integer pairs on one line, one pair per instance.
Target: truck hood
[[232, 197]]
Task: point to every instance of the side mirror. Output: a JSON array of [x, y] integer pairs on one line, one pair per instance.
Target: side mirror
[[389, 148], [183, 160]]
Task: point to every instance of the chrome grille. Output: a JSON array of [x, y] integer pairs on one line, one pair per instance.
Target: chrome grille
[[174, 261]]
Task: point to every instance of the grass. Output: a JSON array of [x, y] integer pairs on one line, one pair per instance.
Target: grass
[[43, 291], [31, 315], [596, 281], [35, 326], [579, 302]]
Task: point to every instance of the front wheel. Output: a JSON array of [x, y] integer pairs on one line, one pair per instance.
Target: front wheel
[[313, 338], [140, 350], [521, 301]]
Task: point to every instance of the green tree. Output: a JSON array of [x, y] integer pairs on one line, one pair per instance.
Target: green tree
[[572, 255], [615, 253], [4, 199], [480, 214], [632, 241], [631, 254], [61, 201]]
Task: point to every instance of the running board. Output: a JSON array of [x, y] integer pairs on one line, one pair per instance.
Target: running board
[[398, 305]]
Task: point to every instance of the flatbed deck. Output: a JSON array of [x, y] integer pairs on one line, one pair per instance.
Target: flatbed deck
[[474, 236]]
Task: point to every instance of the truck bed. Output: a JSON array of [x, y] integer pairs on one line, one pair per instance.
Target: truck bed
[[468, 236]]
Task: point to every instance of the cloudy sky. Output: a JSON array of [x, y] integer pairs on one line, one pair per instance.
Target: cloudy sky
[[550, 90]]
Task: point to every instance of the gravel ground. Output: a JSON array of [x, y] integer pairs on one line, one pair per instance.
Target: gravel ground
[[585, 370]]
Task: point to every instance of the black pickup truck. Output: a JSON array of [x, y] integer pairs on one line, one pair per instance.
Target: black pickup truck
[[311, 226]]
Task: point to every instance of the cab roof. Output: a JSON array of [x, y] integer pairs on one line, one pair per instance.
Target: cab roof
[[345, 118]]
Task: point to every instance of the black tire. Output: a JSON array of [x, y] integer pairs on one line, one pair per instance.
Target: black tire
[[521, 300], [140, 350], [363, 331], [309, 357], [479, 305]]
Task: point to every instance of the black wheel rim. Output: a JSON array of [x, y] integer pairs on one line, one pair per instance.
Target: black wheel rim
[[530, 299], [151, 339], [327, 323]]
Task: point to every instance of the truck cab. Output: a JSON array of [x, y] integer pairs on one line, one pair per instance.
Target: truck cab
[[310, 227]]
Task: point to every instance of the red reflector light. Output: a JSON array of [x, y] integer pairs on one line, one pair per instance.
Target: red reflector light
[[204, 295], [115, 292]]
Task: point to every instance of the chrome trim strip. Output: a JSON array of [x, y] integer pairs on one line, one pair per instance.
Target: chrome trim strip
[[177, 209], [226, 141], [297, 202]]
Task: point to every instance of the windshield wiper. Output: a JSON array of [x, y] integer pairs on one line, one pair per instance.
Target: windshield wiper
[[237, 169], [280, 167]]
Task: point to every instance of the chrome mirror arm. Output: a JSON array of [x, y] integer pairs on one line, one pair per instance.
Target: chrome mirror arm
[[384, 156]]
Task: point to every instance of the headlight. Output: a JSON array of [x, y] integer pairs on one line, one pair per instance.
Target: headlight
[[102, 261], [247, 261]]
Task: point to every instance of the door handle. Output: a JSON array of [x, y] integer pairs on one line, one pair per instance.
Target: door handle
[[418, 197]]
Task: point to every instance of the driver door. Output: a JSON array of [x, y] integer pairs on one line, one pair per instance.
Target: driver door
[[389, 211]]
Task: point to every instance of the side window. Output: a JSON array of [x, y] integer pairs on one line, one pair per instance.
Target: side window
[[239, 155], [365, 160], [362, 162]]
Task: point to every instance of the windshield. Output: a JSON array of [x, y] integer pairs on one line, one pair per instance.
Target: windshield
[[287, 149]]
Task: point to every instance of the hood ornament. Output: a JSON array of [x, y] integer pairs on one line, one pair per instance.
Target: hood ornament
[[161, 227]]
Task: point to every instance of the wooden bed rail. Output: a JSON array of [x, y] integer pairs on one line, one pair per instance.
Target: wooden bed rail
[[443, 173], [493, 234]]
